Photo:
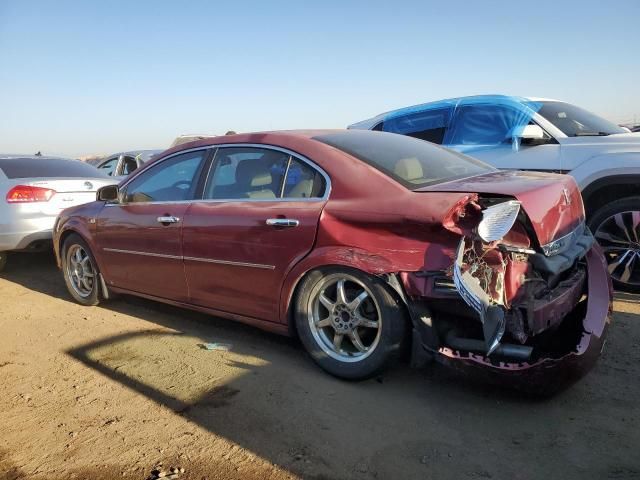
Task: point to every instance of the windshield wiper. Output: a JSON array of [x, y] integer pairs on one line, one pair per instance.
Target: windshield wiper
[[591, 134]]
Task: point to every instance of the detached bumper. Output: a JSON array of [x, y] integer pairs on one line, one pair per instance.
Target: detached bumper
[[547, 375]]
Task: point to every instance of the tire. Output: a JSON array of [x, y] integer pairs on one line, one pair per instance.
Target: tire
[[3, 260], [82, 282], [378, 320], [620, 243]]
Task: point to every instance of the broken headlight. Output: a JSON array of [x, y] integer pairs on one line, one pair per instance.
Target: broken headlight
[[497, 220]]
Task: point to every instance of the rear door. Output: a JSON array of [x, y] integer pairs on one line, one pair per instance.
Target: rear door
[[140, 237], [258, 216]]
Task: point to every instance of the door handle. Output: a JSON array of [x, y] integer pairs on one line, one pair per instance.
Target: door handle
[[168, 219], [282, 222]]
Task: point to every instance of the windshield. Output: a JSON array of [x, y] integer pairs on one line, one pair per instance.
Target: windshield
[[413, 163], [575, 122]]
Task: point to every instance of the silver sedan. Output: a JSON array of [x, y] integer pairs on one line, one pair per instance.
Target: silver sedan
[[33, 190]]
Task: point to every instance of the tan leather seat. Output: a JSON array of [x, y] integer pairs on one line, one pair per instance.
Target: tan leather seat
[[303, 189], [409, 169], [254, 178]]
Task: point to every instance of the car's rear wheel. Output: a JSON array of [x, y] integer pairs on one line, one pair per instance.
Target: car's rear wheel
[[350, 323], [80, 271], [3, 260], [616, 227]]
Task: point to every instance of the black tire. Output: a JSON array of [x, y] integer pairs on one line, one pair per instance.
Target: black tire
[[385, 344], [601, 224], [91, 295], [3, 260]]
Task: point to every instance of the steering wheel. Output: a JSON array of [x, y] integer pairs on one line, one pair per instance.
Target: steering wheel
[[179, 183]]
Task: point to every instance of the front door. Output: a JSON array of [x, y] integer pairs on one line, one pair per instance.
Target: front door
[[140, 237], [258, 217], [485, 131]]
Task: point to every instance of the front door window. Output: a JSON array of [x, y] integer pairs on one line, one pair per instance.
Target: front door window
[[171, 181]]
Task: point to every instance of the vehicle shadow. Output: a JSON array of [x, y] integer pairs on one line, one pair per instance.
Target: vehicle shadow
[[266, 396], [35, 271]]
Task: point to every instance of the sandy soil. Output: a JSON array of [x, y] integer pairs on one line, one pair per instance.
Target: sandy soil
[[110, 392]]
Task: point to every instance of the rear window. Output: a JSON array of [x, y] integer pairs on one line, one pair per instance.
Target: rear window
[[47, 168], [412, 162]]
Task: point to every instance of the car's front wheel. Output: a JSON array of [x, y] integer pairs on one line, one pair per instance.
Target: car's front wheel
[[350, 322], [3, 260], [616, 227], [80, 271]]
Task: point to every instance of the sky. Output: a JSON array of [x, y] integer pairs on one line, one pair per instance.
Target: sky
[[95, 77]]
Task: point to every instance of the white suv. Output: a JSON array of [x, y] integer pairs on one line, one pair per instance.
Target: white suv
[[547, 135]]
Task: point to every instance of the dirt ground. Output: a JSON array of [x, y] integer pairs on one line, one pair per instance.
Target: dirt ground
[[112, 391]]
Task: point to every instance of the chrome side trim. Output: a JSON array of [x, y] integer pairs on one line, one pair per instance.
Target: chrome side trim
[[144, 254], [229, 262], [220, 200], [193, 259]]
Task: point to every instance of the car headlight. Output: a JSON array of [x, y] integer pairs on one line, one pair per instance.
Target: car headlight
[[497, 220]]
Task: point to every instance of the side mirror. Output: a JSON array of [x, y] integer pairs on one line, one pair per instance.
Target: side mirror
[[108, 193], [531, 134]]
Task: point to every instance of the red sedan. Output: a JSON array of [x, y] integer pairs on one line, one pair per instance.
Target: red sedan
[[358, 242]]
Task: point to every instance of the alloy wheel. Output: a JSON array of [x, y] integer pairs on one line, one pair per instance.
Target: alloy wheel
[[620, 241], [344, 318], [80, 271]]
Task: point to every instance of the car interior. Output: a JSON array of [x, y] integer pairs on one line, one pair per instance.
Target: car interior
[[262, 177]]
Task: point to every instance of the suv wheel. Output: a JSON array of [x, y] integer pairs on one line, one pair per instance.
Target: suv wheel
[[3, 260], [616, 227]]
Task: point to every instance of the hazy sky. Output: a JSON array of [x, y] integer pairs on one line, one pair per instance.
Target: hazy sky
[[83, 77]]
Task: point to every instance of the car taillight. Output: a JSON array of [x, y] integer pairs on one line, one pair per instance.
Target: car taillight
[[28, 194]]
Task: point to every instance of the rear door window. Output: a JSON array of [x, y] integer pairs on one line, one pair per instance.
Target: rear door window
[[429, 125], [303, 181], [246, 173], [261, 173]]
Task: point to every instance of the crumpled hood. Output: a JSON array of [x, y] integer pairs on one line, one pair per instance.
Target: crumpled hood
[[552, 202]]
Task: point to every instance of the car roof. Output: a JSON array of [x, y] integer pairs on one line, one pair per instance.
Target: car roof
[[456, 101], [266, 137], [40, 157], [133, 153]]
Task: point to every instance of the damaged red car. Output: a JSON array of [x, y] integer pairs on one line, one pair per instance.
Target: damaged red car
[[363, 244]]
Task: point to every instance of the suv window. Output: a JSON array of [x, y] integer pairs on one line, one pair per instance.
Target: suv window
[[171, 180], [485, 125], [429, 125], [261, 173]]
